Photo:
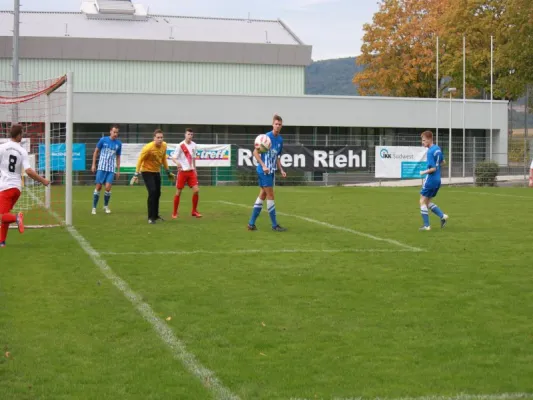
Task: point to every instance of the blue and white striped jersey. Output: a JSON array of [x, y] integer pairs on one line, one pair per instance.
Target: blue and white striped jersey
[[270, 157], [109, 150]]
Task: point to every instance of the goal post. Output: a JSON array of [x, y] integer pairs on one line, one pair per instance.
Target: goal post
[[44, 109]]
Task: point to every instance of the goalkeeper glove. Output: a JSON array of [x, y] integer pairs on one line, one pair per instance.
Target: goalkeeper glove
[[134, 179], [171, 176]]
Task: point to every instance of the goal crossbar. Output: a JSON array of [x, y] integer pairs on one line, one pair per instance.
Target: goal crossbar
[[45, 112]]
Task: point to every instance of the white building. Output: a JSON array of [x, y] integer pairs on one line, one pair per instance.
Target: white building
[[219, 75]]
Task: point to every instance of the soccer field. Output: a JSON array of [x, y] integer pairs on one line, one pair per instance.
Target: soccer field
[[351, 302]]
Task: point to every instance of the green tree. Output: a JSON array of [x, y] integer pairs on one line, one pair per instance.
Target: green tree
[[477, 21], [516, 51]]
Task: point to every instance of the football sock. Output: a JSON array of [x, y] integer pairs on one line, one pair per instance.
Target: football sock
[[258, 206], [176, 204], [425, 216], [96, 197], [433, 207], [107, 197], [272, 212], [195, 198], [8, 218]]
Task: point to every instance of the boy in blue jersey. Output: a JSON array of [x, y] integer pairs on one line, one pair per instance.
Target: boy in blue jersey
[[110, 149], [431, 185], [267, 164]]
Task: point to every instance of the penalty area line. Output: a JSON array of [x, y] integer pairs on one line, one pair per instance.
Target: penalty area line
[[255, 251], [336, 227], [460, 396]]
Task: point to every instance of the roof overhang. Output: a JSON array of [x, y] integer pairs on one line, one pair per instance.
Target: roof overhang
[[71, 48]]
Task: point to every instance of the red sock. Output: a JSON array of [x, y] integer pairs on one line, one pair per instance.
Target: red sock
[[176, 203], [3, 232], [8, 218], [194, 202]]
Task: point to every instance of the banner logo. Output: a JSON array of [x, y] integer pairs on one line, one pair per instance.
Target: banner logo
[[311, 158], [384, 153]]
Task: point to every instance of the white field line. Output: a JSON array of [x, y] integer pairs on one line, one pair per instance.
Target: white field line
[[336, 227], [492, 194], [460, 396], [254, 251], [208, 377], [179, 351]]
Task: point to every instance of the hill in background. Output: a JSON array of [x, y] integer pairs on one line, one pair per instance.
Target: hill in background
[[334, 77], [331, 77]]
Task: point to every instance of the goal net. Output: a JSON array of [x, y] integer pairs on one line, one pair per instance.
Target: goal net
[[41, 108]]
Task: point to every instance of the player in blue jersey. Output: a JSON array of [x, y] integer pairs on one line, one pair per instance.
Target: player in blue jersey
[[431, 185], [110, 149], [267, 164]]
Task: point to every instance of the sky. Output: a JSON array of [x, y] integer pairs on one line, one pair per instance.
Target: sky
[[333, 27]]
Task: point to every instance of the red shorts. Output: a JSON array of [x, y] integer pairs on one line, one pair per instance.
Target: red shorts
[[186, 177], [8, 199]]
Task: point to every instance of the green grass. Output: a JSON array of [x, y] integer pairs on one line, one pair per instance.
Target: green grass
[[369, 320]]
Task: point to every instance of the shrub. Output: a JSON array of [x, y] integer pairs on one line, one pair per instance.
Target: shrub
[[485, 173], [517, 150]]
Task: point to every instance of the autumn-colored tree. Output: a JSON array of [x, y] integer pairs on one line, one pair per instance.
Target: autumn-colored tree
[[516, 52], [398, 49], [476, 21]]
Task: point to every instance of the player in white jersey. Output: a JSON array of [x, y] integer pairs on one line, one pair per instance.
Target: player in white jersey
[[184, 157], [14, 161]]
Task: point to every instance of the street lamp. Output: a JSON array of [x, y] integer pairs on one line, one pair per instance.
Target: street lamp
[[450, 90]]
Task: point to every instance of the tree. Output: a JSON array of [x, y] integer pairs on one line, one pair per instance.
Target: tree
[[477, 21], [398, 49], [517, 50]]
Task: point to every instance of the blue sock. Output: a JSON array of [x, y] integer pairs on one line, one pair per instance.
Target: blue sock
[[425, 216], [435, 208], [107, 197], [272, 212], [96, 197], [258, 206]]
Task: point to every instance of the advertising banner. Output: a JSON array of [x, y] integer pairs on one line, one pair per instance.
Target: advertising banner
[[207, 155], [58, 155], [312, 158], [404, 162]]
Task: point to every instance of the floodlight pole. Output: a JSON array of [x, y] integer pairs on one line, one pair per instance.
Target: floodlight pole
[[15, 62], [450, 91]]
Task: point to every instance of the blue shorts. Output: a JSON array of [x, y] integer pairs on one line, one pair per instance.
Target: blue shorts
[[103, 177], [430, 192], [266, 180]]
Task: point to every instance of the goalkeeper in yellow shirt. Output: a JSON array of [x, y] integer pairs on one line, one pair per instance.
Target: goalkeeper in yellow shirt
[[152, 156]]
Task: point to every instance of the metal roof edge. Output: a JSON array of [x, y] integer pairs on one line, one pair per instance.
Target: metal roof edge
[[301, 96], [155, 16], [42, 12], [291, 32]]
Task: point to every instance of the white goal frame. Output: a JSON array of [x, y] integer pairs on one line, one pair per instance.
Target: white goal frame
[[17, 99]]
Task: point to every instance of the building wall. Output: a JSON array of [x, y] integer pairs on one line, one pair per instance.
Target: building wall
[[148, 77], [302, 111]]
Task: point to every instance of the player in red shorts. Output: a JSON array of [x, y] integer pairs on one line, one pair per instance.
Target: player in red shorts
[[13, 160], [184, 157]]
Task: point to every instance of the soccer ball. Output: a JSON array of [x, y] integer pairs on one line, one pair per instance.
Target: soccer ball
[[262, 143]]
